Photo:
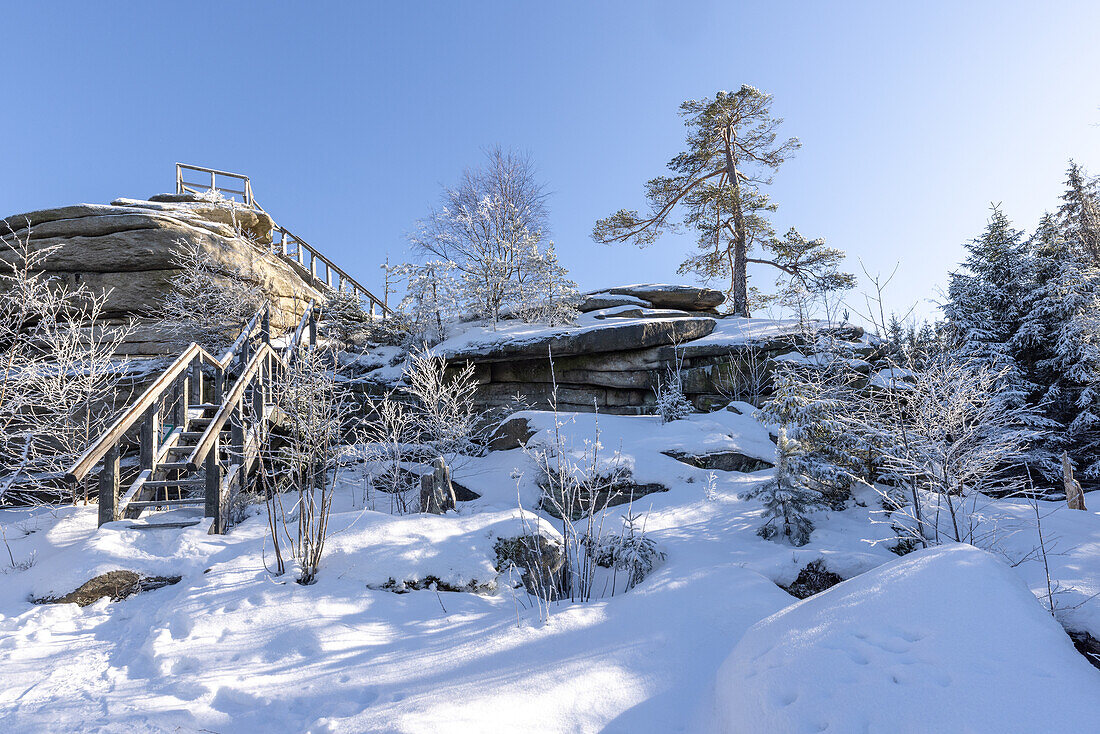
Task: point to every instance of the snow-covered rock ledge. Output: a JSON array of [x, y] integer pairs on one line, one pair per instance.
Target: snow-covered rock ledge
[[624, 343]]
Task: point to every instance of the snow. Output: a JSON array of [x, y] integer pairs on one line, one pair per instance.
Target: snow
[[947, 639], [892, 377], [478, 336], [233, 648]]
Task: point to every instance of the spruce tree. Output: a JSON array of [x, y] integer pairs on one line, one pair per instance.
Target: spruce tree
[[1079, 214], [1058, 343], [987, 305], [787, 499]]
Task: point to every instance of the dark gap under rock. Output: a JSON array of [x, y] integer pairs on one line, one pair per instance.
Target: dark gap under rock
[[117, 585], [427, 583], [813, 579], [619, 494], [721, 460], [1087, 645]]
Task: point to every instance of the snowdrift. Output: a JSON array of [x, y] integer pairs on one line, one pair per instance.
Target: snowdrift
[[947, 639]]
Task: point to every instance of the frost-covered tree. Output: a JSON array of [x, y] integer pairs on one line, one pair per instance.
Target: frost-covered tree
[[787, 499], [486, 225], [548, 295], [59, 373], [431, 299], [1079, 214], [733, 147], [812, 403], [1059, 345], [987, 302], [987, 308], [955, 439], [300, 472], [207, 302], [672, 404]]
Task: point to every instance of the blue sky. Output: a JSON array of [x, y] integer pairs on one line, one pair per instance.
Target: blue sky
[[350, 116]]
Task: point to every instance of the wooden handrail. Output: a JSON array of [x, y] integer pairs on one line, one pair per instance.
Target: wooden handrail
[[314, 253], [296, 339], [135, 411], [246, 332], [235, 395], [358, 289]]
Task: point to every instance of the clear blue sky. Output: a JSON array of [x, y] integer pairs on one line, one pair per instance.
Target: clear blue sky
[[350, 116]]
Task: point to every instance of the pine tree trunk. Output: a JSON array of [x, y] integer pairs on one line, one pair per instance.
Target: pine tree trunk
[[739, 289]]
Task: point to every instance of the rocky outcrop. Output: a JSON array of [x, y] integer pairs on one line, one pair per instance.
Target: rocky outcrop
[[114, 585], [686, 297], [127, 250], [613, 337], [615, 357]]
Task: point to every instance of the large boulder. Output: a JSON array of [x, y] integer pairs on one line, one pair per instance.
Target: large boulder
[[610, 337], [599, 301], [689, 298], [128, 250]]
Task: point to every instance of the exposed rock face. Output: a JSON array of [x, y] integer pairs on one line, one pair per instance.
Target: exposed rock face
[[598, 301], [610, 338], [115, 585], [673, 296], [616, 356], [722, 461], [126, 249]]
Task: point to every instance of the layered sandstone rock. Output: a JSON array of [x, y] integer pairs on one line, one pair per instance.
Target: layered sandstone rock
[[624, 346], [127, 251]]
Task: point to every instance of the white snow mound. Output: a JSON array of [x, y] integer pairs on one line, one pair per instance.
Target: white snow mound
[[946, 639]]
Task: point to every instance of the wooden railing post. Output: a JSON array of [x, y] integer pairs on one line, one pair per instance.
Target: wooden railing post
[[196, 381], [108, 487], [265, 326], [179, 392], [237, 434], [214, 504], [150, 433]]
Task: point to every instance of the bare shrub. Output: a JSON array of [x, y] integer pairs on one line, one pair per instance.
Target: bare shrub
[[207, 302], [300, 470], [59, 373]]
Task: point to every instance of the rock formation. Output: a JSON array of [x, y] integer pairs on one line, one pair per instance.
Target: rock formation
[[126, 249], [625, 343]]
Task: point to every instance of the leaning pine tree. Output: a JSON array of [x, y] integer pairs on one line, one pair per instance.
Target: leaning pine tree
[[732, 149]]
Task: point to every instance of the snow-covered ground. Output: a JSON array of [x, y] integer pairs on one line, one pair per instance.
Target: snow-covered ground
[[231, 648]]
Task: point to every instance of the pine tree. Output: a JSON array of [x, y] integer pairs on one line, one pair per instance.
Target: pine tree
[[787, 500], [732, 149]]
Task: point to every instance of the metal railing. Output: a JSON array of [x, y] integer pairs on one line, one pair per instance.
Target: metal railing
[[322, 272]]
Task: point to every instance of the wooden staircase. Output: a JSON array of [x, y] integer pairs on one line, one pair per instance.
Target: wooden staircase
[[200, 427]]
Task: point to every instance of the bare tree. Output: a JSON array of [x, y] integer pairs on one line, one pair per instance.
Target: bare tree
[[59, 373], [300, 471], [432, 416], [486, 225], [953, 438], [207, 301]]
